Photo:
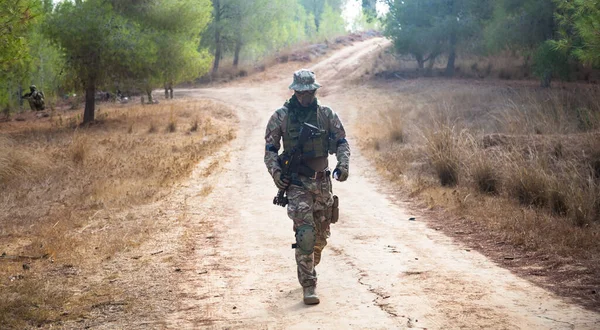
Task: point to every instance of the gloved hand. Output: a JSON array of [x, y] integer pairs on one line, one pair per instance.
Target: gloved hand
[[340, 174], [280, 182]]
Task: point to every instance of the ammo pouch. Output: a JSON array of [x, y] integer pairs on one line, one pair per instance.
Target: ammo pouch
[[302, 169], [331, 145], [335, 210]]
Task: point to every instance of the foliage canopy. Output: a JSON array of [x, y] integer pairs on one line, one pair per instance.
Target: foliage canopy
[[150, 41]]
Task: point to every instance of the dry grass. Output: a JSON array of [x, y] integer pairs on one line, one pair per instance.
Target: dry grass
[[195, 125], [502, 66], [505, 66], [524, 149], [443, 146], [62, 189], [484, 174], [529, 185], [512, 168], [172, 125]]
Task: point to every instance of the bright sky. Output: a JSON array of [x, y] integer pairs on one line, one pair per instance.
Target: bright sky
[[353, 8]]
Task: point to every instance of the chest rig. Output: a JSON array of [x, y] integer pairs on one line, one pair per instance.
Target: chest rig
[[316, 147]]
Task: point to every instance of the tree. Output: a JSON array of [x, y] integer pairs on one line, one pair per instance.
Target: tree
[[219, 18], [529, 27], [259, 26], [250, 29], [97, 43], [578, 32], [230, 28], [460, 22], [151, 42], [317, 8], [411, 26], [332, 23], [369, 8], [16, 18], [549, 62], [174, 28], [428, 28], [247, 28], [45, 61], [520, 25]]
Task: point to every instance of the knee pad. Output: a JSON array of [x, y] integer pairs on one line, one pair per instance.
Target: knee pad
[[306, 238]]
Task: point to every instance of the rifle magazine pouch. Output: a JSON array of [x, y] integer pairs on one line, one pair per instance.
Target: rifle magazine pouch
[[335, 210], [332, 145]]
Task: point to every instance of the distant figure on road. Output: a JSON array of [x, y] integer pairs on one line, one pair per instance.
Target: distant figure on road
[[309, 191], [35, 98]]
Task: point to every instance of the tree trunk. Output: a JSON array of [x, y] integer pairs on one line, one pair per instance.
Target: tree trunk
[[236, 55], [90, 102], [526, 63], [451, 57], [546, 79], [20, 95], [217, 54], [168, 91], [420, 61], [317, 15], [450, 65], [430, 63], [217, 8], [149, 93]]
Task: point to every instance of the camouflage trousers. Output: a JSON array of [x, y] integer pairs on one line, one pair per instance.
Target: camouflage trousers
[[36, 105], [310, 204]]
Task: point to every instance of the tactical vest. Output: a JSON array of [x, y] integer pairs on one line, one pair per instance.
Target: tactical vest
[[317, 147]]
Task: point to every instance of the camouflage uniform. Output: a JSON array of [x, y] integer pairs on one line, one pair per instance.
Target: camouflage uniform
[[311, 199], [35, 98]]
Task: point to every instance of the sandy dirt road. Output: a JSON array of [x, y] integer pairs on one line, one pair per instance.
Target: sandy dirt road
[[379, 271]]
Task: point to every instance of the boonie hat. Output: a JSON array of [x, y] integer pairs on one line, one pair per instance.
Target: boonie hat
[[304, 80]]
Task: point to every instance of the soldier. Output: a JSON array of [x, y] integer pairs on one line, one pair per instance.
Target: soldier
[[35, 98], [311, 203]]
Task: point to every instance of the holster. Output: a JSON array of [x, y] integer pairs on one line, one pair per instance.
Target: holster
[[335, 210]]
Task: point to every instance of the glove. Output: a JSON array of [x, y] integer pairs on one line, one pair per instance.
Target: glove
[[281, 183], [340, 174]]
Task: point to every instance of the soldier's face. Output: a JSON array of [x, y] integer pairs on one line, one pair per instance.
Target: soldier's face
[[306, 98]]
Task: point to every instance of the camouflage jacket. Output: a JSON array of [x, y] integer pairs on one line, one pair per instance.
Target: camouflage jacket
[[277, 126], [35, 95]]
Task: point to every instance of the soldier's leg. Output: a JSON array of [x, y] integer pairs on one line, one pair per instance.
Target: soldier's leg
[[39, 105], [300, 210], [322, 226], [322, 216]]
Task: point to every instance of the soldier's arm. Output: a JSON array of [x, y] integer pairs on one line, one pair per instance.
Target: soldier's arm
[[342, 151], [272, 141]]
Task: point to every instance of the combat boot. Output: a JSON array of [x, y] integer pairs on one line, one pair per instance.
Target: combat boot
[[310, 295]]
